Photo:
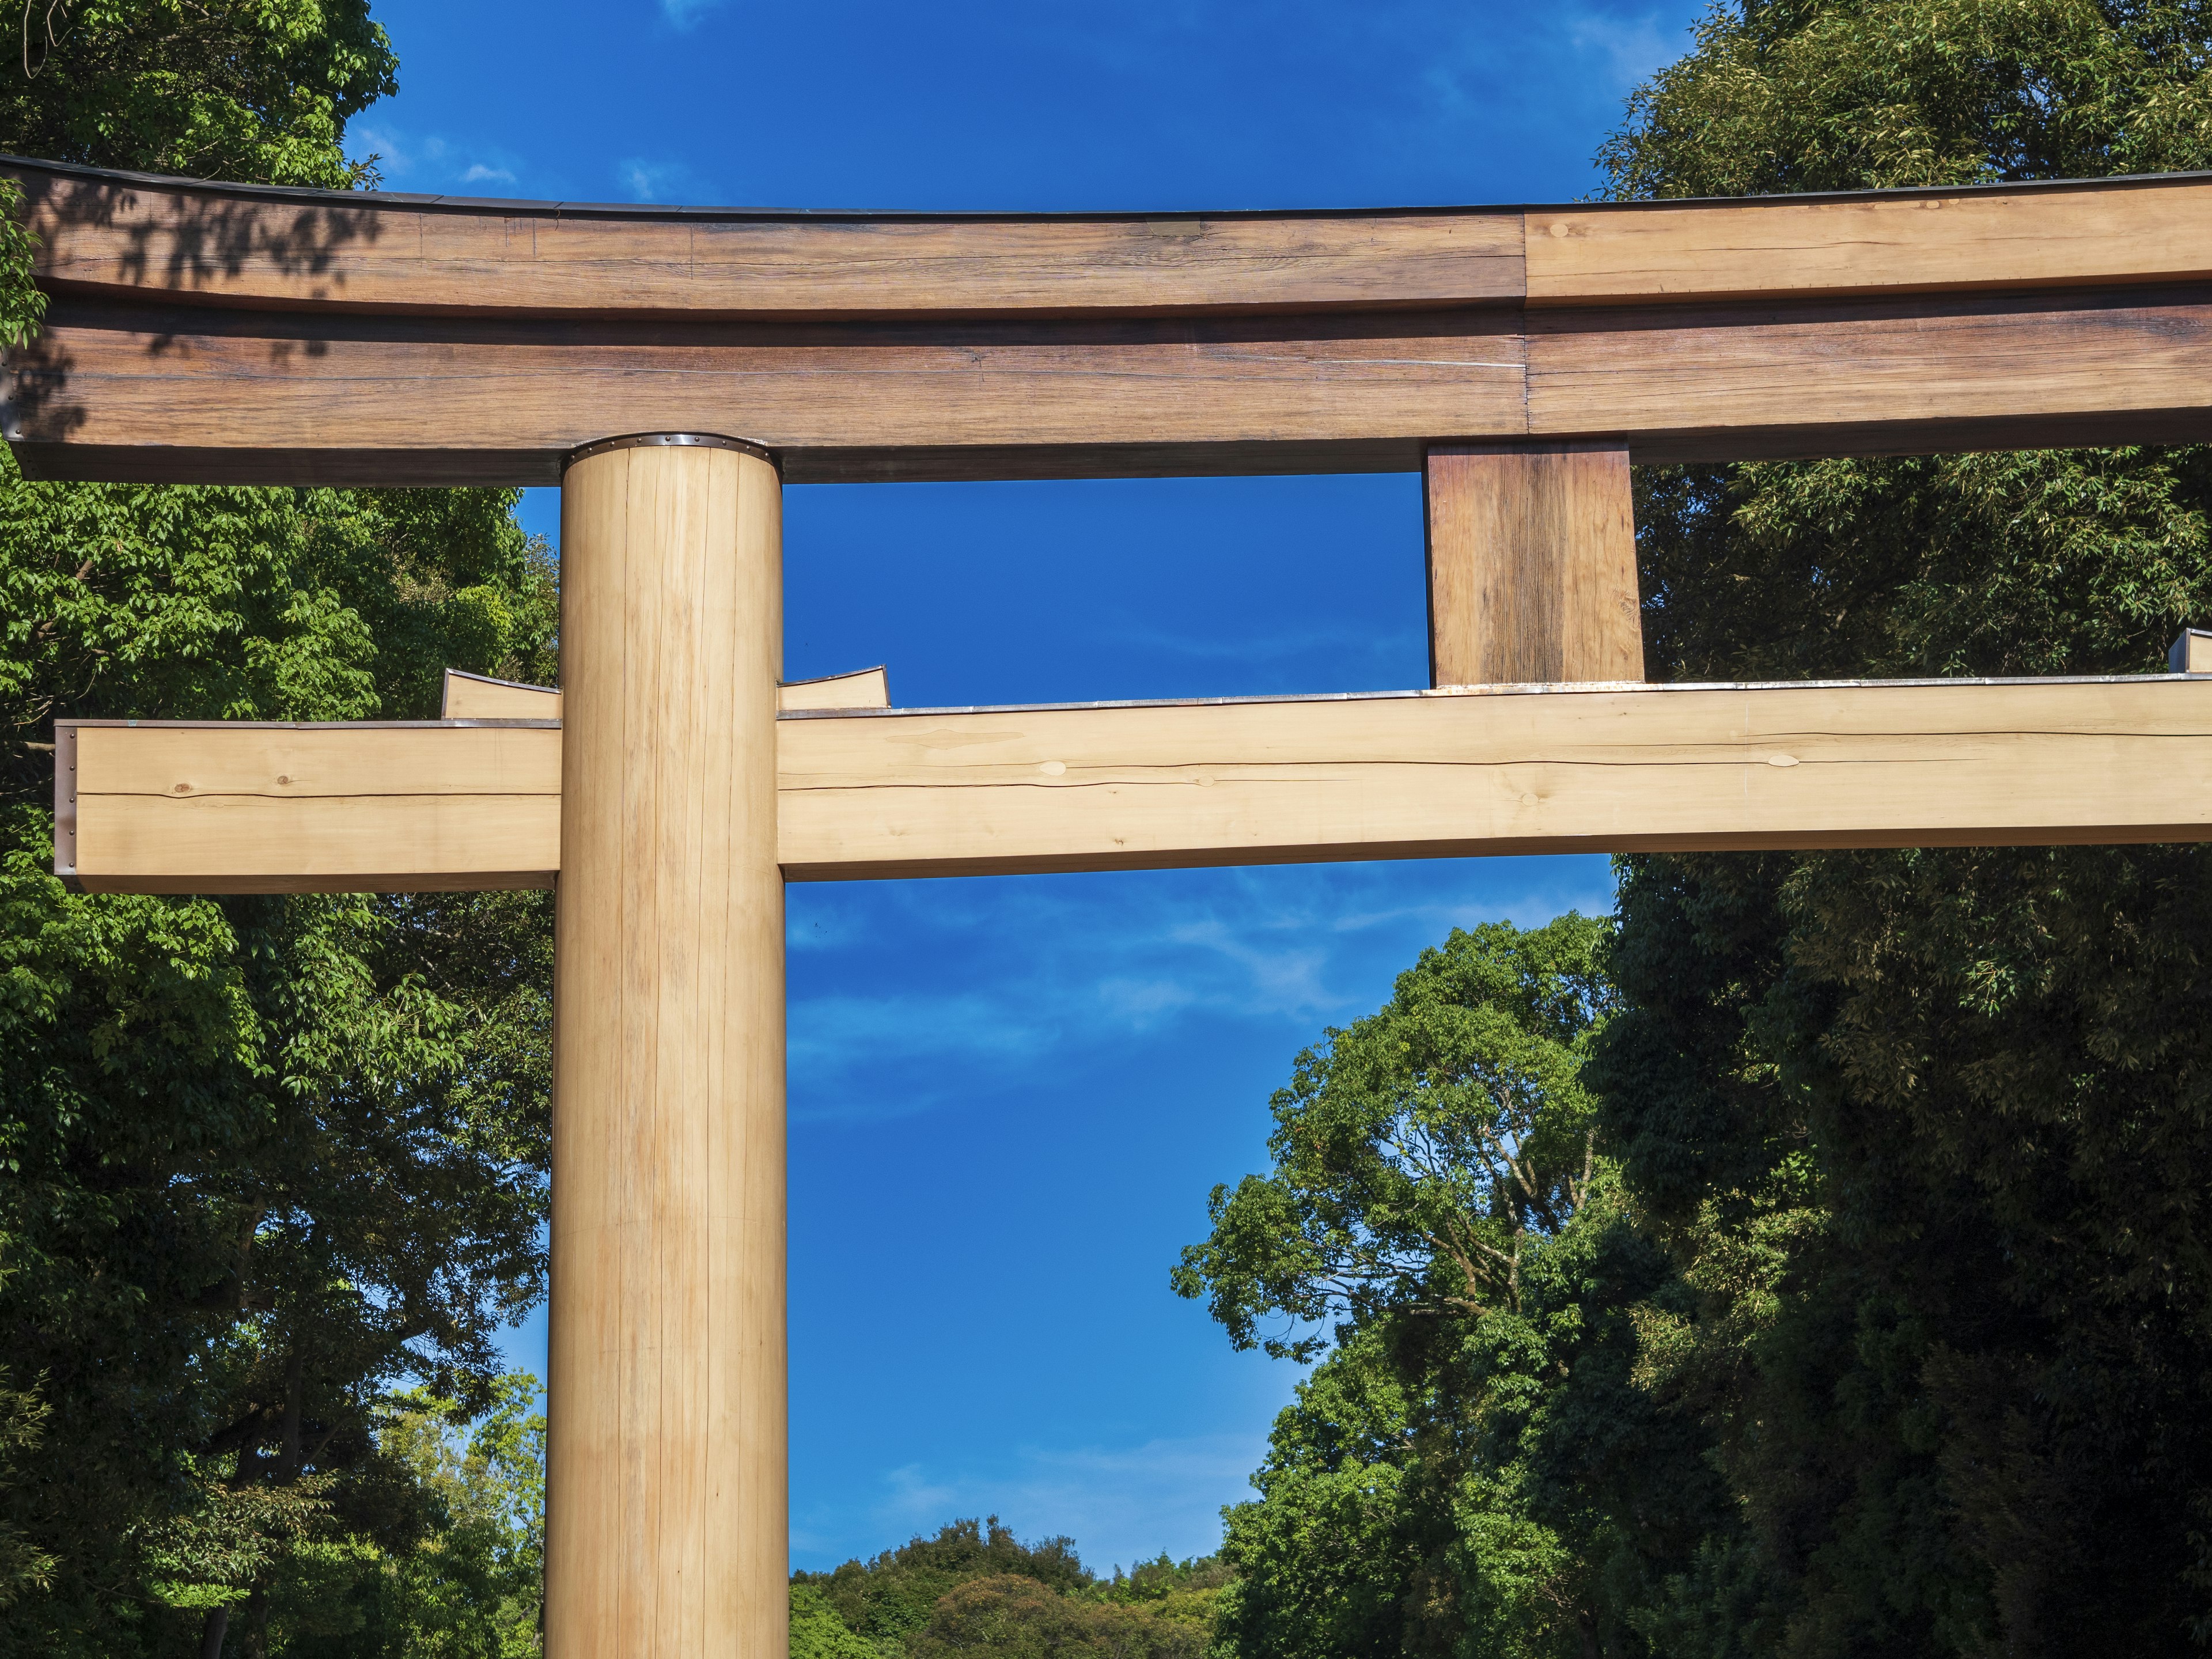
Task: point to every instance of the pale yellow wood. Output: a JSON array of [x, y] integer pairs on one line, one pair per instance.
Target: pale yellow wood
[[279, 762], [477, 697], [866, 688], [1776, 247], [1003, 791], [474, 697], [236, 808], [352, 844], [667, 1497]]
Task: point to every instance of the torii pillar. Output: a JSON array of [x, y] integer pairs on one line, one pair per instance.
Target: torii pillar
[[666, 1481]]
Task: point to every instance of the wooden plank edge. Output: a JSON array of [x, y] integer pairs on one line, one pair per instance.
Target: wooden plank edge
[[1385, 851], [546, 697], [65, 805], [861, 688], [474, 881]]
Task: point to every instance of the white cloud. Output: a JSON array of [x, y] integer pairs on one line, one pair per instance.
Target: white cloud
[[1121, 1505], [944, 988], [684, 16], [654, 181], [1632, 48], [429, 161]]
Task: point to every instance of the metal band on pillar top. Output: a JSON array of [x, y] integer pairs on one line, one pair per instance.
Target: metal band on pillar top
[[672, 440]]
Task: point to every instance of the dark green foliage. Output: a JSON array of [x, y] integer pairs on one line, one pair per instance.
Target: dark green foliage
[[1922, 1137], [891, 1597], [975, 1588], [1419, 1152], [250, 89], [263, 1163], [1015, 1617], [1927, 1132], [1476, 1467], [264, 1158]]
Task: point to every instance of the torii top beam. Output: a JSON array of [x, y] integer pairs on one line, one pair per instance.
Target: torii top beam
[[221, 332]]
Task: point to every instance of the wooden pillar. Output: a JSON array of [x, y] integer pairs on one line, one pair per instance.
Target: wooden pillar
[[666, 1483], [1532, 565]]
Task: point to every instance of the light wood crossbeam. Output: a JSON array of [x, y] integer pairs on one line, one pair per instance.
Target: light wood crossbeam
[[1531, 565], [927, 792], [864, 688], [213, 333], [244, 808], [477, 696]]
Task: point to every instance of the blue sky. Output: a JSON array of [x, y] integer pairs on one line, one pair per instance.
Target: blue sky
[[1010, 1097]]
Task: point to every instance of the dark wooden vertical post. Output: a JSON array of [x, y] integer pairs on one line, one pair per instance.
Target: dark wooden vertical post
[[1532, 565]]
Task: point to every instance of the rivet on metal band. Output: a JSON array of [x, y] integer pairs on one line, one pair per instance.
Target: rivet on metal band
[[671, 440]]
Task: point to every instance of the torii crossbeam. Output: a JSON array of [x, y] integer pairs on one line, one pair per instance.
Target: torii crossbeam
[[672, 367]]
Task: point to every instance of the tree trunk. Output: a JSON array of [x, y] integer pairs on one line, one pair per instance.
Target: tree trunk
[[211, 1634]]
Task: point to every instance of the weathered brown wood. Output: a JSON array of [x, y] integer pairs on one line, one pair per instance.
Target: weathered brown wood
[[666, 1497], [242, 245], [1532, 565], [2122, 230], [1700, 380], [1095, 398], [250, 246], [228, 335], [363, 395], [1142, 786]]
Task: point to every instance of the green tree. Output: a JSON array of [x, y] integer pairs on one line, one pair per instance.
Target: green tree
[[1924, 1131], [888, 1599], [263, 1162], [1459, 1475], [254, 90]]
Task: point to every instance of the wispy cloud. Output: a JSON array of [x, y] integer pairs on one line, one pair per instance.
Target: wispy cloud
[[1631, 48], [430, 161], [684, 16], [647, 180], [1121, 1505], [1004, 984]]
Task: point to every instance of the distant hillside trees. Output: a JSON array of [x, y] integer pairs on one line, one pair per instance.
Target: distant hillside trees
[[974, 1589]]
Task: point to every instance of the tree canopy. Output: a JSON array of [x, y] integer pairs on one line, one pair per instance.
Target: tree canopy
[[271, 1169], [1883, 1323]]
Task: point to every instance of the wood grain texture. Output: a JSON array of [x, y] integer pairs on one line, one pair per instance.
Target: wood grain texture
[[1004, 790], [261, 397], [478, 696], [1719, 373], [864, 688], [209, 381], [229, 335], [1531, 566], [1001, 791], [362, 252], [247, 808], [667, 1493], [1917, 240]]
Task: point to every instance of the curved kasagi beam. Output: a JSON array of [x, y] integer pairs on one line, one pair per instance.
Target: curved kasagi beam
[[225, 332]]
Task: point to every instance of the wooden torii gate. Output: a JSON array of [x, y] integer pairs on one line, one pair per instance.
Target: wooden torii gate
[[669, 368]]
